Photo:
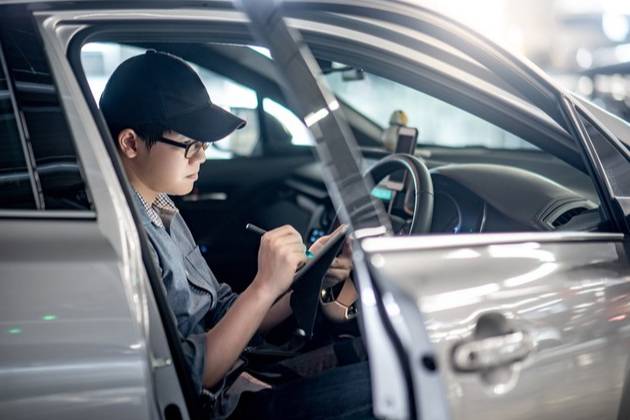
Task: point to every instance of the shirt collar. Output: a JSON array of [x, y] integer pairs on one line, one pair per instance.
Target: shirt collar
[[161, 205]]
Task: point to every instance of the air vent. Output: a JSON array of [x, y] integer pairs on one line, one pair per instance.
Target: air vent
[[565, 217]]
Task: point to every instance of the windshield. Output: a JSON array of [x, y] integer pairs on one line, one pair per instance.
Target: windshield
[[439, 123]]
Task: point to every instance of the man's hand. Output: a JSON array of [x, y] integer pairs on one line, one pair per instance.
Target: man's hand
[[341, 266], [280, 254]]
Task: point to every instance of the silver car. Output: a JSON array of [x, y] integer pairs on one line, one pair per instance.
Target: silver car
[[488, 207]]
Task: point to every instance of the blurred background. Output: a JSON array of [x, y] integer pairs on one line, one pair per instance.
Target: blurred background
[[584, 44]]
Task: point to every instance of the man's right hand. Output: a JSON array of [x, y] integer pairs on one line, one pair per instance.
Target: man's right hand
[[280, 254]]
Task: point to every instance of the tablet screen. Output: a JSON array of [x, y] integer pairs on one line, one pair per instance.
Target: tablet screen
[[334, 240]]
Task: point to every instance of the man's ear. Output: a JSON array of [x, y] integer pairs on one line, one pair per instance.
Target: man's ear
[[128, 143]]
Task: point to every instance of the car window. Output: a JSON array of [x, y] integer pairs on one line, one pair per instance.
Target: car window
[[283, 126], [16, 190], [39, 168], [99, 61], [612, 158], [440, 123]]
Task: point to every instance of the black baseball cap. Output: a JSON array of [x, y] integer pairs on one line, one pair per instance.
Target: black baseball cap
[[157, 87]]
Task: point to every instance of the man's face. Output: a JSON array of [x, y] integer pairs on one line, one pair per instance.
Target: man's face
[[164, 169]]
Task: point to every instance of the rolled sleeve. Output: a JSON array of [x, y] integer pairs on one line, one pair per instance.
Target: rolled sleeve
[[220, 404], [194, 349], [225, 300]]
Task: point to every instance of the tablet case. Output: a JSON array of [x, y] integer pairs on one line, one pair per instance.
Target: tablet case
[[308, 285]]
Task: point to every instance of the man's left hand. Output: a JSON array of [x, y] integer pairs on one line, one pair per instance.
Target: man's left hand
[[341, 266]]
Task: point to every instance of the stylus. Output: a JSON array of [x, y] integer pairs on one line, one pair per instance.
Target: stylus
[[253, 228]]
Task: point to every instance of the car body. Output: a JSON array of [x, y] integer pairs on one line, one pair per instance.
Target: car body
[[517, 309]]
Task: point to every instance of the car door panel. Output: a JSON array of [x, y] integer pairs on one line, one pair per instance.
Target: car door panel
[[571, 298], [139, 332], [69, 340]]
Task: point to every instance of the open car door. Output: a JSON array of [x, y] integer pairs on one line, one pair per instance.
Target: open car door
[[532, 325], [402, 364]]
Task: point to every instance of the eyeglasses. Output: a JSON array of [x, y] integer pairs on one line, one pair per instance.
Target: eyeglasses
[[192, 148]]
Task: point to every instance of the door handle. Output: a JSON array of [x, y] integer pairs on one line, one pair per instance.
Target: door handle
[[492, 352]]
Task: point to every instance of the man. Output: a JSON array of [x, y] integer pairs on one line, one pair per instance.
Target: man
[[161, 118]]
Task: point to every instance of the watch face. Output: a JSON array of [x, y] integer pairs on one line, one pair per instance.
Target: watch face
[[339, 302]]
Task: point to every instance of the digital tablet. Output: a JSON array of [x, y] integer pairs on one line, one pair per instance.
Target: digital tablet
[[307, 283], [332, 242]]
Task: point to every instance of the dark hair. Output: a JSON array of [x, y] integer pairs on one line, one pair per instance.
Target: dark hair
[[148, 132]]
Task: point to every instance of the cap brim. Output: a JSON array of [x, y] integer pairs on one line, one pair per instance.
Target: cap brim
[[211, 123]]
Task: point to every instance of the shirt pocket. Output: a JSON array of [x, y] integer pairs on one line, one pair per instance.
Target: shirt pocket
[[198, 273]]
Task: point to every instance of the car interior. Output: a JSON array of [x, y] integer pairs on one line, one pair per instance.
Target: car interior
[[485, 179]]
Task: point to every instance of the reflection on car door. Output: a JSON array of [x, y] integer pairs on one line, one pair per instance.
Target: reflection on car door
[[525, 325]]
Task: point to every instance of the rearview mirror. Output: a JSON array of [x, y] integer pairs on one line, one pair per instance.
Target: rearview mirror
[[348, 73]]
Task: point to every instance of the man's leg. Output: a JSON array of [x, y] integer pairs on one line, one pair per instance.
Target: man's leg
[[315, 362], [340, 393]]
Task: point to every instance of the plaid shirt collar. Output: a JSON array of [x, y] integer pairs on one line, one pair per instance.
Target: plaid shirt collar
[[162, 205]]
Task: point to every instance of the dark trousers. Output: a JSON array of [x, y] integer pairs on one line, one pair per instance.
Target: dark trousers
[[339, 393]]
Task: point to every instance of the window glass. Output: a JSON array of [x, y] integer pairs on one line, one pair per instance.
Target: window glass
[[56, 181], [439, 123], [241, 101], [99, 61], [613, 160], [292, 127], [15, 185], [376, 99], [283, 126]]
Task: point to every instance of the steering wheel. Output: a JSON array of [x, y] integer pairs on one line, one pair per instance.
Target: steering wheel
[[339, 302], [417, 213]]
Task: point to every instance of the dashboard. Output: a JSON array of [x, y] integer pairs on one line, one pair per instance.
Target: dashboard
[[469, 198]]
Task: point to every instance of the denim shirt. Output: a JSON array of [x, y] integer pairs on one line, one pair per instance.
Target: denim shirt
[[198, 301]]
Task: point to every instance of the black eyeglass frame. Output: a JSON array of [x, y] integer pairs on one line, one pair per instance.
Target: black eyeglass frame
[[186, 146]]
